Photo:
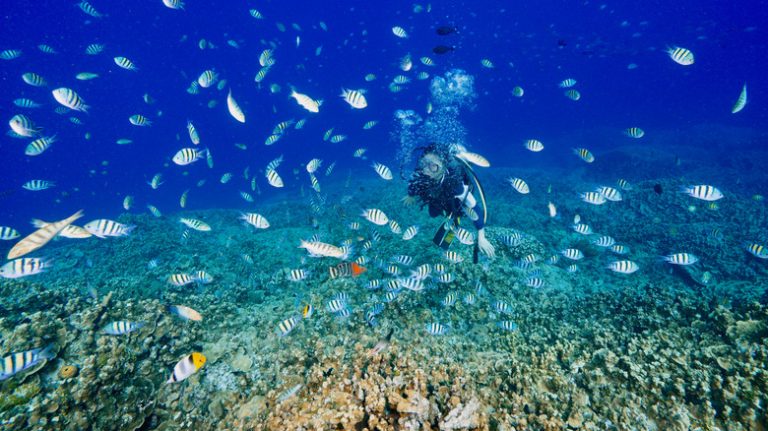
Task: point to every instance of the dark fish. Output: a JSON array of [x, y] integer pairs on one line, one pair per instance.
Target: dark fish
[[657, 188], [445, 30], [442, 49]]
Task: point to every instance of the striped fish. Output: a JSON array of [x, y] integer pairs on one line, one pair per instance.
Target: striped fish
[[41, 236], [23, 267], [338, 138], [426, 61], [23, 126], [757, 250], [573, 253], [121, 327], [465, 237], [620, 249], [286, 326], [567, 83], [187, 366], [47, 49], [410, 233], [446, 277], [584, 154], [94, 49], [307, 311], [207, 78], [88, 9], [195, 224], [452, 256], [26, 103], [703, 192], [266, 59], [139, 120], [125, 63], [411, 283], [593, 198], [187, 156], [450, 299], [383, 171], [572, 94], [34, 79], [103, 228], [38, 146], [436, 328], [535, 282], [610, 193], [681, 56], [681, 259], [202, 277], [534, 145], [399, 32], [246, 196], [355, 98], [346, 269], [174, 4], [313, 165], [154, 211], [70, 99], [10, 54], [507, 325], [273, 178], [604, 241], [71, 231], [519, 185], [193, 136], [317, 248], [298, 275], [623, 266], [634, 132], [20, 361], [8, 233], [256, 220], [181, 279], [624, 184], [375, 216], [370, 124], [741, 102], [256, 14], [582, 228]]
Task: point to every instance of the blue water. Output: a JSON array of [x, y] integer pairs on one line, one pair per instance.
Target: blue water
[[534, 47]]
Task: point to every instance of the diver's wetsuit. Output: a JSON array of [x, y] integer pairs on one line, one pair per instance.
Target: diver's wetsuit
[[448, 196]]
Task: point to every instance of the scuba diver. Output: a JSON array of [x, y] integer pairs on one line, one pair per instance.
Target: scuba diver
[[447, 185]]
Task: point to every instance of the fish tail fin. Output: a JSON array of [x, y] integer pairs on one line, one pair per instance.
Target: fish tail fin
[[47, 352]]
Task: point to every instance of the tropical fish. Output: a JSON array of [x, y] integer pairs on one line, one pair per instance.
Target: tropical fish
[[195, 224], [519, 185], [234, 108], [187, 366], [375, 216], [572, 94], [256, 220], [634, 132], [399, 32], [125, 63], [103, 228], [185, 312], [741, 102], [181, 279], [286, 326], [139, 120], [23, 267], [680, 55], [38, 146], [383, 171], [584, 154], [355, 98], [68, 98], [567, 83], [121, 327], [21, 361], [436, 328], [317, 248], [71, 231], [8, 233], [703, 192], [623, 266], [41, 236], [346, 269], [534, 145], [23, 126], [683, 259], [306, 102], [573, 253], [34, 79]]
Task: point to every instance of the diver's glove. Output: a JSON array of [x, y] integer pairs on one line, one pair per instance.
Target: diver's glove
[[484, 245]]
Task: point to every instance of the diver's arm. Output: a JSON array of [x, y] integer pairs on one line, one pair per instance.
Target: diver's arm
[[482, 242]]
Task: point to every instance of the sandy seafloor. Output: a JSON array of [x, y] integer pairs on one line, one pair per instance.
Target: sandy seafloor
[[594, 350]]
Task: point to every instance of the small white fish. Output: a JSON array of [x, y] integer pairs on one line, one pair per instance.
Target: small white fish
[[125, 63], [681, 56], [234, 108], [534, 145], [306, 102], [519, 185], [383, 171], [399, 32]]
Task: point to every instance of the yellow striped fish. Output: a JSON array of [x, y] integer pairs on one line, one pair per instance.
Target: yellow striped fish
[[68, 98], [187, 156], [125, 63], [680, 55], [23, 267], [584, 154], [21, 361], [8, 233], [196, 224], [41, 237], [181, 279], [103, 228], [38, 146]]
